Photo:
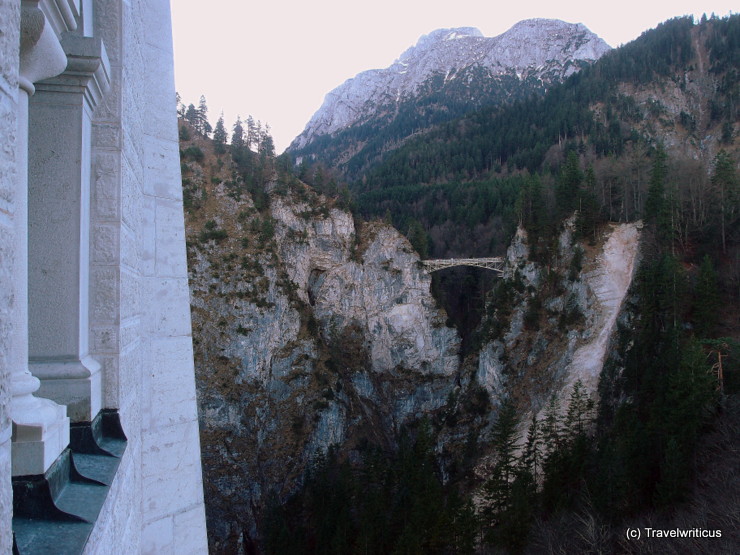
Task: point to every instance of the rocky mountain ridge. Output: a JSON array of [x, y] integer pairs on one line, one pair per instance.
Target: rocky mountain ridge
[[542, 50]]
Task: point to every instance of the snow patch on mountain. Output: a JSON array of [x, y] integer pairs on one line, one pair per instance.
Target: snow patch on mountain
[[545, 49]]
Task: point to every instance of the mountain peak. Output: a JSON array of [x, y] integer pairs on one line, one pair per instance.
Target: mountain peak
[[544, 50], [541, 23], [441, 35], [438, 37]]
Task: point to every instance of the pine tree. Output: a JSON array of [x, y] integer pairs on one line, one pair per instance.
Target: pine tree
[[689, 398], [727, 194], [706, 299], [266, 145], [531, 209], [504, 438], [531, 458], [588, 206], [252, 138], [551, 428], [418, 237], [237, 136], [204, 127], [516, 520], [569, 185], [579, 413], [655, 201], [220, 136], [191, 114], [388, 217]]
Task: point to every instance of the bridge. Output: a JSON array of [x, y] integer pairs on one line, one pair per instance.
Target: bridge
[[495, 264]]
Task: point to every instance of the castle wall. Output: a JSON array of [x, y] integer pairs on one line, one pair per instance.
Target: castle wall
[[9, 38], [136, 147], [172, 503], [139, 307]]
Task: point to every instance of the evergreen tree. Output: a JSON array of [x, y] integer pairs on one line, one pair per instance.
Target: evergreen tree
[[237, 136], [706, 299], [568, 449], [388, 217], [418, 238], [655, 204], [689, 398], [588, 207], [320, 178], [727, 194], [511, 488], [220, 136], [531, 208], [252, 138], [569, 185], [551, 427], [579, 413], [266, 145], [191, 114], [504, 438], [202, 114], [531, 458], [516, 520]]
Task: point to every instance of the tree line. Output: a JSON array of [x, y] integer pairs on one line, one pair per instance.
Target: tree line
[[249, 134]]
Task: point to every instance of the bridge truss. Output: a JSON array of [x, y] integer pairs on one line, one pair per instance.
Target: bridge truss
[[495, 264]]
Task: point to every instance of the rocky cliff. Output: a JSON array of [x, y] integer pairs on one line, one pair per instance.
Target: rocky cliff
[[553, 326], [308, 333], [548, 324]]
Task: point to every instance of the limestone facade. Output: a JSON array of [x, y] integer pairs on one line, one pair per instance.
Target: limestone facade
[[94, 303]]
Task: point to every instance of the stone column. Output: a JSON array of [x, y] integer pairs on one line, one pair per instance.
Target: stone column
[[59, 228], [40, 426]]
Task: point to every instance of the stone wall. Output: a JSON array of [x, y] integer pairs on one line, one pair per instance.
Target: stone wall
[[9, 38], [139, 279], [172, 502], [139, 318], [115, 318]]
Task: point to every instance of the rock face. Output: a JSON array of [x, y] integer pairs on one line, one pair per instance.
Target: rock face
[[310, 334], [559, 327], [542, 50], [385, 293]]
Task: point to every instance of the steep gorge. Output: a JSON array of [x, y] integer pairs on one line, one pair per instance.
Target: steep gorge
[[312, 331]]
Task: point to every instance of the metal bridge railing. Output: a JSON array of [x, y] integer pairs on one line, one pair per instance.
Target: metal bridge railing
[[495, 264]]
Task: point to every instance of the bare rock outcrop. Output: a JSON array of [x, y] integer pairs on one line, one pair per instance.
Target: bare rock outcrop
[[559, 327], [309, 334]]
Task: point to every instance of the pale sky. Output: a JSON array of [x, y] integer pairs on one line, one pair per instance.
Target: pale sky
[[277, 60]]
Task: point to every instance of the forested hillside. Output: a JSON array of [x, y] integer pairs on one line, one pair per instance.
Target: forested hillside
[[675, 86], [596, 107], [591, 388], [461, 189], [448, 73]]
